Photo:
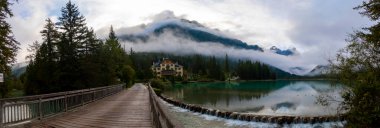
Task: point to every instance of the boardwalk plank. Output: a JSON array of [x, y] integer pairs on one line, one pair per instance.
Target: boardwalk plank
[[130, 108]]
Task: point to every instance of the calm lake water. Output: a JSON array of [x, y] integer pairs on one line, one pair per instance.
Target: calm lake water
[[261, 97]]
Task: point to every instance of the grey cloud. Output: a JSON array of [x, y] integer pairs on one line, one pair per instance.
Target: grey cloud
[[164, 15], [319, 27], [29, 18]]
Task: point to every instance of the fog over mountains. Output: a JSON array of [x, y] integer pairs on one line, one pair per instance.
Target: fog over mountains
[[171, 34]]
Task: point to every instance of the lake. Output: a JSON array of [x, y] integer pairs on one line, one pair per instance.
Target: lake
[[283, 97]]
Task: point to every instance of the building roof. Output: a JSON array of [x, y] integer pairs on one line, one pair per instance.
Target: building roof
[[165, 61]]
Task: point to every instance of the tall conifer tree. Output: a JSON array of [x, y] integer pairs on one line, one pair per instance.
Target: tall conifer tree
[[71, 47], [8, 44]]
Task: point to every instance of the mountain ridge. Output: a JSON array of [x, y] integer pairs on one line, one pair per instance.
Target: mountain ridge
[[286, 52], [319, 70], [193, 34]]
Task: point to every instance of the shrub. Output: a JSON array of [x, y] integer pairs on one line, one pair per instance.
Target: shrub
[[157, 83]]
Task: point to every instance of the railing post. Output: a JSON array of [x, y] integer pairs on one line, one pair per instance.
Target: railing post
[[82, 94], [65, 102], [93, 95], [1, 113], [40, 107]]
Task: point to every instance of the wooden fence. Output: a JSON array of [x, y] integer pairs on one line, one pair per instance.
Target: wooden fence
[[159, 112]]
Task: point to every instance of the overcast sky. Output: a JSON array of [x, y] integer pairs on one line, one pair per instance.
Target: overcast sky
[[317, 28]]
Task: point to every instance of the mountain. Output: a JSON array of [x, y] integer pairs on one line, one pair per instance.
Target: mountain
[[171, 34], [19, 68], [188, 30], [319, 70], [281, 74], [287, 52], [297, 70]]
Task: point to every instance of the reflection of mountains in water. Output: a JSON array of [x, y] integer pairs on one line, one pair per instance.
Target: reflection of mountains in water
[[287, 105], [264, 98], [214, 96], [298, 99], [195, 93], [279, 107], [318, 86]]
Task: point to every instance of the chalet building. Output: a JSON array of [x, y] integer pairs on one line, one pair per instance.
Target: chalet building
[[166, 67]]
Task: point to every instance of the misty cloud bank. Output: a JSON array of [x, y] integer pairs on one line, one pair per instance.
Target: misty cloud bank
[[169, 43]]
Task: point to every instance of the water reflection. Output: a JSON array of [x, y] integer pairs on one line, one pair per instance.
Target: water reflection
[[260, 97]]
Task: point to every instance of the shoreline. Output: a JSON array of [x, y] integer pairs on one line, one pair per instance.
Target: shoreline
[[217, 81]]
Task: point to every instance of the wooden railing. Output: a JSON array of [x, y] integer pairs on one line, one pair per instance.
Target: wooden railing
[[23, 109], [159, 112]]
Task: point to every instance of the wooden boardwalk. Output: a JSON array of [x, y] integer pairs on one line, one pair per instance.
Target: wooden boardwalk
[[129, 108]]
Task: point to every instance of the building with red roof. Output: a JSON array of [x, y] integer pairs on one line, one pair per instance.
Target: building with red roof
[[166, 67]]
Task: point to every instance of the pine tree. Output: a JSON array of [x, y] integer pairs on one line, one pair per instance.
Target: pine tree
[[226, 67], [71, 46], [114, 57], [33, 50], [73, 25], [74, 58], [92, 45], [112, 35], [37, 76], [8, 44], [31, 87], [50, 37], [40, 72], [49, 56], [90, 61], [248, 70]]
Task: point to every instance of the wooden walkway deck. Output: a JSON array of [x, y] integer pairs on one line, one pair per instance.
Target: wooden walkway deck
[[129, 108]]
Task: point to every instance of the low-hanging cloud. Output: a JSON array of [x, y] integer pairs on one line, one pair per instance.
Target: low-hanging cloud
[[170, 42], [167, 42], [164, 18]]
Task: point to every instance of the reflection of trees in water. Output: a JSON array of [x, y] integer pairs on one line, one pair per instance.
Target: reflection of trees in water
[[325, 86], [213, 93]]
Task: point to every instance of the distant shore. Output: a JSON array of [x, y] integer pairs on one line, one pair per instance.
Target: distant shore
[[209, 81]]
